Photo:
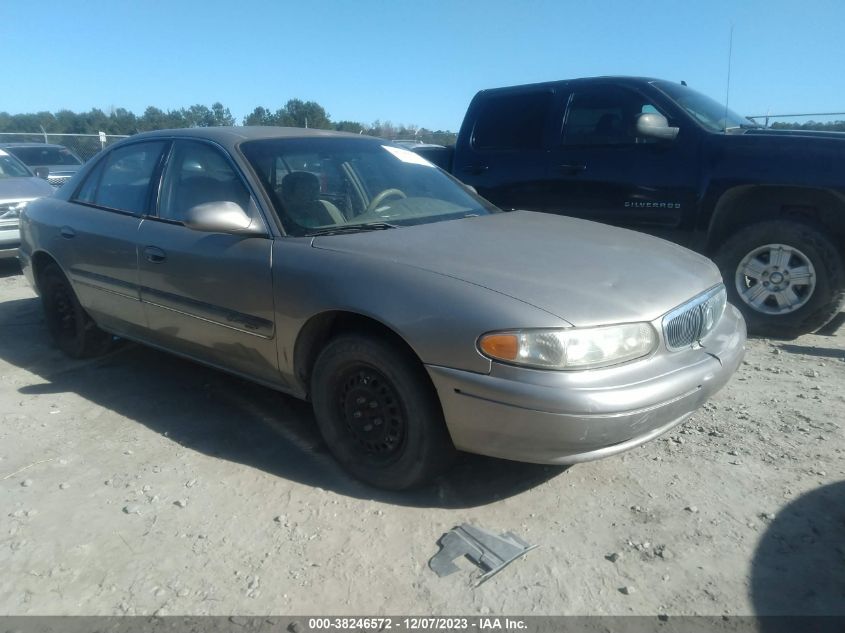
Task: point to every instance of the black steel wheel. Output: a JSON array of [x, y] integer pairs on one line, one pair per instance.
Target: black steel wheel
[[379, 413], [72, 330]]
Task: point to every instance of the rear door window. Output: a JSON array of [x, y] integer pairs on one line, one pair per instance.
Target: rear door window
[[122, 180], [513, 121]]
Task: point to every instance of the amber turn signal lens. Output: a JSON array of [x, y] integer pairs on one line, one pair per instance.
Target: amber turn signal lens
[[503, 346]]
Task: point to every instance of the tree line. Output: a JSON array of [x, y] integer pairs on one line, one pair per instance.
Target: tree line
[[295, 113], [829, 126]]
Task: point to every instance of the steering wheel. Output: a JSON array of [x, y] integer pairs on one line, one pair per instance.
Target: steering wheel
[[382, 196]]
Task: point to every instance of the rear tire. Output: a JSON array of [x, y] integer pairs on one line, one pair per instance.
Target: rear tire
[[785, 277], [72, 330], [379, 413]]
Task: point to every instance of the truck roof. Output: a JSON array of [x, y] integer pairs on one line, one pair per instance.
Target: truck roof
[[578, 80]]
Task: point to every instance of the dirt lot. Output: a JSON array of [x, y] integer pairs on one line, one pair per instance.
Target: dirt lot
[[138, 484]]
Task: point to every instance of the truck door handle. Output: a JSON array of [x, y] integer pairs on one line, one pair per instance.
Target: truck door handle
[[67, 232], [572, 168], [475, 169], [154, 254]]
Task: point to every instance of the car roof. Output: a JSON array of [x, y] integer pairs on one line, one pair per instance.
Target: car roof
[[38, 145], [232, 136]]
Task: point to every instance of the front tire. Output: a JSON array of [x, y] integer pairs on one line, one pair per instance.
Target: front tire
[[786, 277], [379, 413], [72, 330]]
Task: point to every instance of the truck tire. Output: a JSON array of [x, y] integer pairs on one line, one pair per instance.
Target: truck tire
[[786, 277], [72, 330], [379, 414]]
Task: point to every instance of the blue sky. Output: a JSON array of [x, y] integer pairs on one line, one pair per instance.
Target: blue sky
[[409, 62]]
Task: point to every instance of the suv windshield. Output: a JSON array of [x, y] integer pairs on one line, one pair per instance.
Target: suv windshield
[[45, 155], [708, 112], [328, 185], [11, 167]]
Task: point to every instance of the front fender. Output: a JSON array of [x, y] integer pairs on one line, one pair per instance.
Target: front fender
[[440, 317]]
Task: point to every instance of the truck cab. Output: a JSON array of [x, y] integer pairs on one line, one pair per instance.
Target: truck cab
[[659, 157]]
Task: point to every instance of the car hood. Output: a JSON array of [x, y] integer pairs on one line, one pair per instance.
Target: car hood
[[583, 272], [840, 136], [24, 188]]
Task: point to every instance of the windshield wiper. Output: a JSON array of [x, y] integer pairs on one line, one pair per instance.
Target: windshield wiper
[[352, 228]]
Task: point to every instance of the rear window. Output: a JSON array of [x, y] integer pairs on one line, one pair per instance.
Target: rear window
[[38, 156], [512, 121], [121, 180]]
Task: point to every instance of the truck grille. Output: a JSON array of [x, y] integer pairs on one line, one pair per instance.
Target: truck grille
[[692, 321], [57, 181]]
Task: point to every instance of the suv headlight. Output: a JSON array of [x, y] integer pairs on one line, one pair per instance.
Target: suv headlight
[[571, 348], [10, 214]]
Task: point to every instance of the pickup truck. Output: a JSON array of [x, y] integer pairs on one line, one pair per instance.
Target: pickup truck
[[768, 206]]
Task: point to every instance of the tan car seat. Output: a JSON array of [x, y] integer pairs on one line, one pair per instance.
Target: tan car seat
[[302, 203]]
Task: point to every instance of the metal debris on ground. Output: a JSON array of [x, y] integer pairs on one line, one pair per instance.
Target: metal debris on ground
[[489, 551]]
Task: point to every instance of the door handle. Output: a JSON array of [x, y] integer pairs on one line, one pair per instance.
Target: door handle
[[475, 169], [572, 168], [67, 232], [154, 254]]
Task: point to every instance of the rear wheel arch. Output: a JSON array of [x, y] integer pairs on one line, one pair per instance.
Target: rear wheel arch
[[41, 260]]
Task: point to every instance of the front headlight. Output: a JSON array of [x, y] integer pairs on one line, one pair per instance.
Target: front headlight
[[11, 212], [572, 348]]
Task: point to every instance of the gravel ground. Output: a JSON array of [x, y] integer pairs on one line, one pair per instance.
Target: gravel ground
[[138, 483]]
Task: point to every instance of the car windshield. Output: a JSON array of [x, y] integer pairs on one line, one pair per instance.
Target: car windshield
[[46, 155], [332, 185], [708, 112], [11, 167]]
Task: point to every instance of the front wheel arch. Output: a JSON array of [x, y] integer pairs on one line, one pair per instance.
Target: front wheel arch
[[321, 328]]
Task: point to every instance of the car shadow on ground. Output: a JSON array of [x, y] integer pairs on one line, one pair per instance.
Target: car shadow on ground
[[799, 565], [821, 352], [231, 418], [9, 267]]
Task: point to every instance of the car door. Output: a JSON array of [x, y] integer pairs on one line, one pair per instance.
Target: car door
[[98, 232], [504, 152], [207, 295], [602, 170]]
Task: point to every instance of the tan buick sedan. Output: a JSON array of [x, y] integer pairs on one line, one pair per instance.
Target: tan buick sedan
[[417, 318]]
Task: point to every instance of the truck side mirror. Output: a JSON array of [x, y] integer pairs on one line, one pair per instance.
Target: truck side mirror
[[654, 125], [42, 172]]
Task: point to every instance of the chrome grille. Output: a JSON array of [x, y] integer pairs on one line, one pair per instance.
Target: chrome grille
[[683, 330], [57, 181], [692, 321]]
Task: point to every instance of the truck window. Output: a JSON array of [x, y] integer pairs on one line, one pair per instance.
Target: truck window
[[604, 115], [512, 121]]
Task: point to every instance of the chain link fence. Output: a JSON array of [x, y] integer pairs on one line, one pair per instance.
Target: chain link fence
[[83, 145]]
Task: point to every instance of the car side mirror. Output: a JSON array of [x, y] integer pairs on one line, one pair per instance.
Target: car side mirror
[[42, 172], [654, 125], [221, 217]]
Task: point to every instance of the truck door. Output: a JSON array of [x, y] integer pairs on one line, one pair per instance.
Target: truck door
[[503, 147], [602, 170]]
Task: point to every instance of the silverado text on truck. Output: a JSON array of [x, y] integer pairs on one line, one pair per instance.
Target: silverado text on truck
[[768, 206]]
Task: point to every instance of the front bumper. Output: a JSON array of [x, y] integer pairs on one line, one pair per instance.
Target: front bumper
[[559, 417], [10, 240]]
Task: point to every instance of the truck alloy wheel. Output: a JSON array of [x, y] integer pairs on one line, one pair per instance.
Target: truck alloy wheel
[[775, 279], [786, 277]]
